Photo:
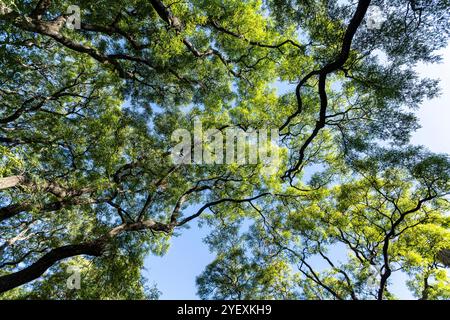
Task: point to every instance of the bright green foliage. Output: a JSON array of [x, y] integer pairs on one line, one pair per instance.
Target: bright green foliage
[[237, 274], [86, 117]]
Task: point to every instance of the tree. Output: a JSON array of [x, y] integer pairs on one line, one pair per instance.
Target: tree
[[347, 241], [87, 116]]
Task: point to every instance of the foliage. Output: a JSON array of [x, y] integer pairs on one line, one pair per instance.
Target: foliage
[[86, 117]]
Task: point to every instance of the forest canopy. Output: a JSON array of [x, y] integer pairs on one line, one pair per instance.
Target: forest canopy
[[89, 103]]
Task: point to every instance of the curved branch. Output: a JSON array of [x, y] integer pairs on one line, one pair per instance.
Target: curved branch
[[331, 67], [38, 268], [93, 248]]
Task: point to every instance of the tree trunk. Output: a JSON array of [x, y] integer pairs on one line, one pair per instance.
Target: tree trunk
[[10, 182]]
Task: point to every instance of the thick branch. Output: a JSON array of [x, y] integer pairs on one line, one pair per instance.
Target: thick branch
[[340, 60], [10, 182], [94, 249], [38, 268]]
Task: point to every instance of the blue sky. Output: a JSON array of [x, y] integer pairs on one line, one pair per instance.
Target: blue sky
[[175, 272]]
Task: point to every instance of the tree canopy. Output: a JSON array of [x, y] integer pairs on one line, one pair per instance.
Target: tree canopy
[[86, 172]]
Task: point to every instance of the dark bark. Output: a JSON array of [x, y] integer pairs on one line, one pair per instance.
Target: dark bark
[[93, 249], [166, 14], [331, 67], [444, 257], [38, 268]]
